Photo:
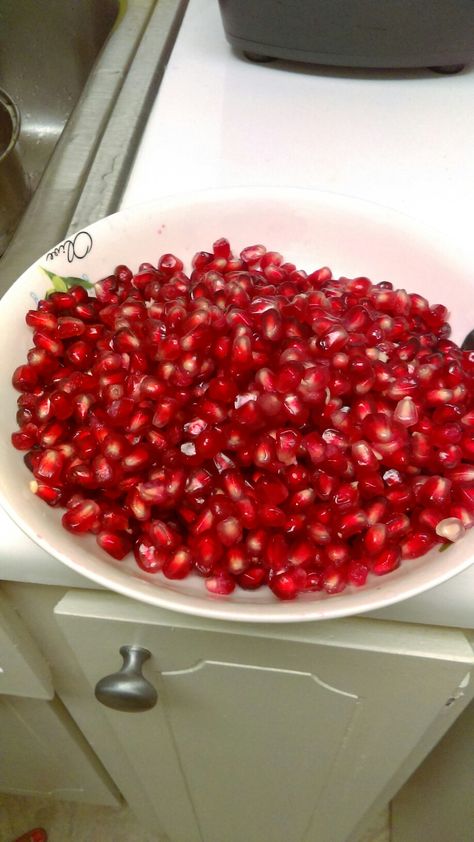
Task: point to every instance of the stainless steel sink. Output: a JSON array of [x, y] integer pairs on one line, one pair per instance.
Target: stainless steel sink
[[82, 74]]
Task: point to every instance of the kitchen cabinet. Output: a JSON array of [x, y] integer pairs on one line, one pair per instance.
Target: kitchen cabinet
[[437, 803], [283, 732], [42, 751]]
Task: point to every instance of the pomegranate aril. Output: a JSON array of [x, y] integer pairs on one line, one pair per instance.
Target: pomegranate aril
[[50, 466], [221, 583], [462, 475], [364, 456], [417, 544], [386, 561], [149, 557], [114, 517], [450, 528], [375, 538], [51, 495], [62, 301], [25, 378], [406, 412], [69, 327], [334, 579], [82, 517], [229, 531], [54, 347], [252, 578], [436, 491], [178, 565], [116, 544], [283, 586], [41, 320], [26, 438], [357, 573], [352, 523], [272, 516]]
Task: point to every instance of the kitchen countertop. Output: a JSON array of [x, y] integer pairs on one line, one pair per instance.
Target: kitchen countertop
[[403, 140]]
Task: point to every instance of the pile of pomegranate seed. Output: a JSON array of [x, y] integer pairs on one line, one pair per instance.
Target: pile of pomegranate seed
[[250, 422]]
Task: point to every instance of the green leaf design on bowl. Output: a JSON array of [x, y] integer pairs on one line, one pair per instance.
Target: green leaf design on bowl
[[444, 547], [62, 283]]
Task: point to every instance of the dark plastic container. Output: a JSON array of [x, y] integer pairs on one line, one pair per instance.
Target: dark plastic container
[[354, 33]]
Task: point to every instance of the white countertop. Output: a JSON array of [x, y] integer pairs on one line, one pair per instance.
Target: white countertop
[[403, 140]]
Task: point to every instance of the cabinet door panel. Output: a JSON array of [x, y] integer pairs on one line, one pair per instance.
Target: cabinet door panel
[[246, 747], [23, 670], [42, 753], [282, 733]]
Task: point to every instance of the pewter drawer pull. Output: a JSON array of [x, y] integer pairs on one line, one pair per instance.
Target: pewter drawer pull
[[128, 690]]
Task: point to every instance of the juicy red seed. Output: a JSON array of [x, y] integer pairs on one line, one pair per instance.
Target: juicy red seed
[[252, 422], [179, 564], [229, 531], [52, 346], [221, 583], [42, 320], [436, 491], [334, 579], [25, 378], [148, 557], [69, 327], [252, 578], [386, 561], [83, 517], [25, 438], [352, 523], [417, 544], [50, 466], [375, 538], [51, 495], [116, 544], [283, 586], [357, 573]]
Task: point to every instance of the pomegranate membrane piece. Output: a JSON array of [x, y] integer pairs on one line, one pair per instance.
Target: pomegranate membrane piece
[[249, 422]]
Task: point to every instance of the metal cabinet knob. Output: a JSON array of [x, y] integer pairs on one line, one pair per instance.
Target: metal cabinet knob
[[128, 690]]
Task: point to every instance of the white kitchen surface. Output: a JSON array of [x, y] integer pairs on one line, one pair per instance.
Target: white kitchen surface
[[402, 140]]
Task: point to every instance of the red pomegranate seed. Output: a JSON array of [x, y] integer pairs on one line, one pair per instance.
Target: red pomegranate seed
[[252, 578], [51, 495], [41, 320], [229, 531], [417, 544], [334, 579], [179, 564], [352, 523], [149, 557], [222, 583], [283, 586], [83, 517], [116, 544], [25, 378], [386, 561], [357, 573], [375, 538], [436, 491]]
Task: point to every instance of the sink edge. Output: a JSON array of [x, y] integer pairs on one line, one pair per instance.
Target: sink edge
[[87, 172]]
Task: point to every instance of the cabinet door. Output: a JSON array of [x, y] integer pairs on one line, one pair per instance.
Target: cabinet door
[[43, 753], [437, 803], [23, 670], [286, 733]]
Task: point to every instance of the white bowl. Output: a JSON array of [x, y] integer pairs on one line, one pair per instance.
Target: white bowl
[[311, 229]]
